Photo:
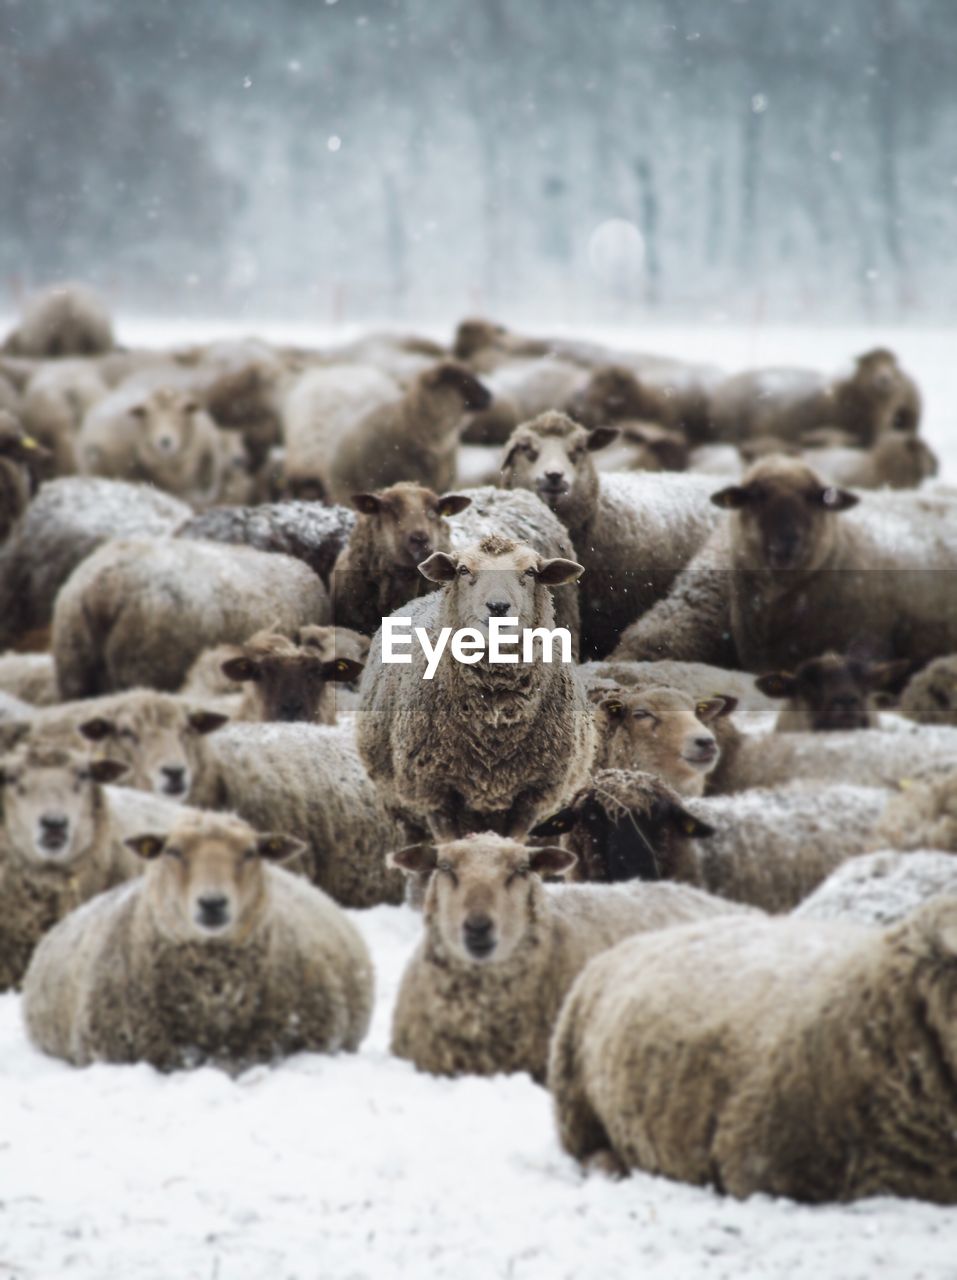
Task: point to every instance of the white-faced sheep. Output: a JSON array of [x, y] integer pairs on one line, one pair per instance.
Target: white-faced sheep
[[287, 681], [139, 611], [65, 522], [931, 695], [55, 402], [831, 691], [482, 745], [795, 572], [881, 888], [500, 950], [213, 955], [796, 1058], [633, 533], [22, 462], [64, 320]]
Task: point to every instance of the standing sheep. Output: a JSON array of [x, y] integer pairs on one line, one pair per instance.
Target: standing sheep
[[212, 955], [481, 992], [790, 1057], [64, 320], [139, 611]]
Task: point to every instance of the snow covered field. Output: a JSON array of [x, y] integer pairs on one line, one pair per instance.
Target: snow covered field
[[349, 1167]]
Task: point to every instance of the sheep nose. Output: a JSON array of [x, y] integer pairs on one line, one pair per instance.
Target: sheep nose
[[213, 910], [174, 779], [497, 608], [704, 743], [292, 711], [554, 477], [419, 542], [54, 824], [478, 934]]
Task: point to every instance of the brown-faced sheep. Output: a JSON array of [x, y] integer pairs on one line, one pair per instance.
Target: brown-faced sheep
[[794, 572], [55, 402], [56, 848], [213, 955], [139, 611], [931, 695], [832, 691], [895, 461], [500, 950], [65, 522], [801, 1058], [633, 533], [662, 731], [22, 462], [881, 888], [670, 394], [64, 320], [877, 397], [481, 745], [287, 681]]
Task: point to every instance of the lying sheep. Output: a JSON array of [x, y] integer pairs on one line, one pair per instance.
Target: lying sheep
[[831, 691], [671, 394], [876, 398], [481, 746], [287, 681], [334, 642], [64, 320], [699, 679], [895, 461], [55, 402], [162, 437], [378, 569], [22, 461], [242, 385], [65, 522], [500, 950], [310, 780], [305, 530], [56, 846], [931, 695], [633, 533], [791, 1057], [791, 575], [881, 888], [213, 955], [139, 611], [922, 814], [661, 731], [643, 446], [522, 389]]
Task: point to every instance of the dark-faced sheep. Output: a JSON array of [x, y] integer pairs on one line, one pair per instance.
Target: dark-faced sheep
[[287, 681], [831, 692]]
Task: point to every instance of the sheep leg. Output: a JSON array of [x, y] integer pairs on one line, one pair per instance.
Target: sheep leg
[[521, 816]]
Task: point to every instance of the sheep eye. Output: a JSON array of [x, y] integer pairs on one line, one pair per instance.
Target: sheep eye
[[175, 854], [446, 869], [432, 515], [529, 572], [640, 714], [531, 453], [463, 571]]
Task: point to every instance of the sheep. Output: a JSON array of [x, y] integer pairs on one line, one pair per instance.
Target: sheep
[[876, 398], [212, 955], [286, 681], [312, 533], [64, 320], [660, 730], [831, 692], [921, 814], [242, 384], [139, 610], [894, 461], [55, 402], [500, 949], [9, 396], [22, 460], [14, 718], [309, 780], [669, 393], [480, 746], [67, 520], [804, 1058], [632, 532], [881, 888], [930, 696], [334, 642], [56, 848], [643, 446], [377, 570], [791, 575], [161, 436], [698, 679], [401, 355], [520, 390]]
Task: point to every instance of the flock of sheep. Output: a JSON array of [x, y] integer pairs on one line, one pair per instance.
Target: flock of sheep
[[700, 882]]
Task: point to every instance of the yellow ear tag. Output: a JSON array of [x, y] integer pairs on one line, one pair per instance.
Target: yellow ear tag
[[342, 665], [691, 826], [29, 443], [904, 783]]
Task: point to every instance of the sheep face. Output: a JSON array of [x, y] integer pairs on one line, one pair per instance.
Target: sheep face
[[662, 731], [890, 396], [473, 336], [484, 893], [497, 578], [408, 522], [206, 879], [167, 424], [611, 393], [158, 741], [551, 456], [333, 642], [784, 516], [289, 681], [625, 826], [831, 691], [50, 802]]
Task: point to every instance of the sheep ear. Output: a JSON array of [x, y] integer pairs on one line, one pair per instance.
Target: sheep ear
[[207, 721], [732, 498], [716, 707], [105, 770], [777, 684], [97, 729], [241, 669], [414, 859], [556, 825], [613, 707], [601, 438], [832, 499], [554, 573], [367, 503], [439, 567], [450, 504], [689, 825], [339, 669], [146, 846], [509, 457], [279, 848], [551, 860], [889, 675]]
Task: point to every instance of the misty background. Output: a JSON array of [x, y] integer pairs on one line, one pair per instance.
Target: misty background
[[414, 160]]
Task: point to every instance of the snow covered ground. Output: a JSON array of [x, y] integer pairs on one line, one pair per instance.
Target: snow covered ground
[[350, 1167]]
